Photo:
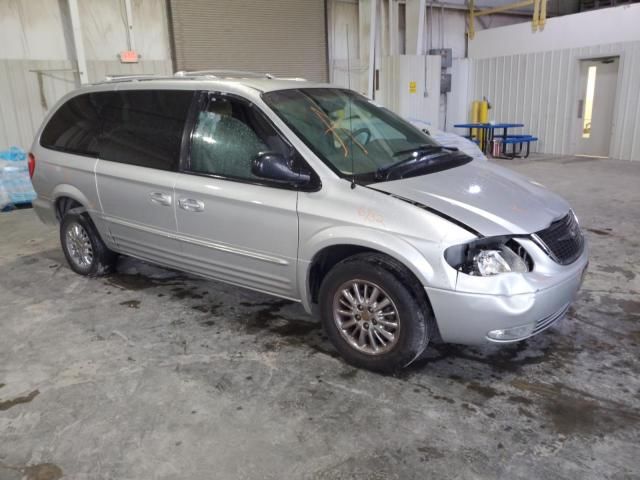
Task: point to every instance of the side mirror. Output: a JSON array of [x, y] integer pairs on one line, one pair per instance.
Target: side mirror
[[273, 166]]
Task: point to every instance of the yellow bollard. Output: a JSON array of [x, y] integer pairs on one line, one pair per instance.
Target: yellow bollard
[[484, 112], [475, 117], [484, 118]]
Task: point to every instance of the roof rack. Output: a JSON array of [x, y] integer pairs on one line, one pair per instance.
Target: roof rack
[[293, 79], [221, 73], [193, 75], [137, 77]]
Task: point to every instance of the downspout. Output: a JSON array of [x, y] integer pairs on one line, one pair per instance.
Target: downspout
[[77, 41], [372, 47], [472, 19], [422, 6]]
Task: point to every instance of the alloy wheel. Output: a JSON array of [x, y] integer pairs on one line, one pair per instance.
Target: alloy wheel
[[366, 317]]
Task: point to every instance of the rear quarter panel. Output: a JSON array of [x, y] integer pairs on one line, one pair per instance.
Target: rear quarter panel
[[59, 174]]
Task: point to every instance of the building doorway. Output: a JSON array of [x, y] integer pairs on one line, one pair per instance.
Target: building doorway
[[596, 100]]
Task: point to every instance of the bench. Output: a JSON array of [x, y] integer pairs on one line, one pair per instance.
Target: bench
[[517, 141]]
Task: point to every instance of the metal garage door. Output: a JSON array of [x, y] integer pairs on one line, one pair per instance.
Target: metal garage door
[[282, 37]]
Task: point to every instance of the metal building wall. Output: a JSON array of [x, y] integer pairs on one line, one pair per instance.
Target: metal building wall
[[36, 36], [27, 95], [541, 90], [282, 37], [410, 88]]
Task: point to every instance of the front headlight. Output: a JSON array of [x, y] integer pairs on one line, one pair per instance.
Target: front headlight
[[489, 256], [493, 262]]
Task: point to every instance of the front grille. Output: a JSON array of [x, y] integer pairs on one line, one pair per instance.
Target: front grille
[[563, 239]]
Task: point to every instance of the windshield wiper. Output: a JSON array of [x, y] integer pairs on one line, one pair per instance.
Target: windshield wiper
[[425, 147], [425, 151]]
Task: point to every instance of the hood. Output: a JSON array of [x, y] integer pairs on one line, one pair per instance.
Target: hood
[[490, 199]]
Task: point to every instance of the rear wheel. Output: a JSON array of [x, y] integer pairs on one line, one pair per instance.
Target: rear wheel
[[373, 314], [85, 251]]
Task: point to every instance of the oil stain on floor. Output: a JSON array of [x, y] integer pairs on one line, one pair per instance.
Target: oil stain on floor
[[7, 404], [42, 471]]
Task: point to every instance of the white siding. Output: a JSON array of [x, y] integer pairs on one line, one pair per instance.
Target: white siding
[[25, 103], [597, 27], [35, 35], [41, 29], [396, 73], [539, 89]]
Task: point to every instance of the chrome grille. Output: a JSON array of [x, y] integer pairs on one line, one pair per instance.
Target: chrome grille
[[562, 240]]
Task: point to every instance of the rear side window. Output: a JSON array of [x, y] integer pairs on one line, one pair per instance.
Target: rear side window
[[138, 127], [74, 128], [144, 127]]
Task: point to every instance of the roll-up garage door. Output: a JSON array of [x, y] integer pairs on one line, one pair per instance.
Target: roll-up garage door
[[282, 37]]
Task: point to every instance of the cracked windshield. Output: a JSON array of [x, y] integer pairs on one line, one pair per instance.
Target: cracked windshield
[[346, 130]]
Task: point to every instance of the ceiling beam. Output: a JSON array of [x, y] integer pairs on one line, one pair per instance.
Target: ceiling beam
[[538, 19]]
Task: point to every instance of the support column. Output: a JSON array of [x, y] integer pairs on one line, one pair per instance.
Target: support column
[[77, 41], [415, 10], [129, 14], [422, 9], [393, 27]]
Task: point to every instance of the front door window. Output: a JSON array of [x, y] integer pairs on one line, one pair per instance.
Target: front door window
[[228, 136]]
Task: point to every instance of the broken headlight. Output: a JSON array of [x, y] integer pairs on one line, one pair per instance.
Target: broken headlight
[[489, 256]]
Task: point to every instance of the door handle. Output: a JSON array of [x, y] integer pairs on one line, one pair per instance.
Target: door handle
[[191, 205], [160, 198]]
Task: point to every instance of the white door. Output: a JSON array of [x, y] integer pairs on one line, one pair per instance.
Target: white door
[[597, 87]]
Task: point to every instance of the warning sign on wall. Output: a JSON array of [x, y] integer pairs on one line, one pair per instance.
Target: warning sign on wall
[[413, 87]]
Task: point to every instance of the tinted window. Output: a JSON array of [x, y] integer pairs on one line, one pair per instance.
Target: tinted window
[[229, 134], [144, 127], [74, 127]]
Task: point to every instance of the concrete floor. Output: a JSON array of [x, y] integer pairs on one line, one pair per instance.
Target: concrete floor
[[153, 374]]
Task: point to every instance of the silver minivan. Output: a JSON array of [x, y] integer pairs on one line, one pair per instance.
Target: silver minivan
[[311, 193]]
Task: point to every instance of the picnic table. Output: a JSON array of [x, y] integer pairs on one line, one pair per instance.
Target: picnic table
[[488, 132]]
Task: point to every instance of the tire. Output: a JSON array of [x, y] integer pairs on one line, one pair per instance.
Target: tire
[[85, 251], [413, 315]]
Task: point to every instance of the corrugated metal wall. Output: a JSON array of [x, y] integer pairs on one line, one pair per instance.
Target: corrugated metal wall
[[283, 37], [27, 95], [36, 36], [540, 90]]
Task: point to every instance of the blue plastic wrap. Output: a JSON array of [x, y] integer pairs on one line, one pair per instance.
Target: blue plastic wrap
[[15, 184]]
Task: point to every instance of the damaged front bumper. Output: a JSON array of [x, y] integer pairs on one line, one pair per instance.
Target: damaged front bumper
[[507, 307]]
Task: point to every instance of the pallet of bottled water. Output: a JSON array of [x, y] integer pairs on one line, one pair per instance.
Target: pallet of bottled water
[[15, 184]]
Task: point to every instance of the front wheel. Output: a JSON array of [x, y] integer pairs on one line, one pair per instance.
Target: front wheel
[[85, 251], [371, 313]]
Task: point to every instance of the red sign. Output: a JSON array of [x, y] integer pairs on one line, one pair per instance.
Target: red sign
[[129, 56]]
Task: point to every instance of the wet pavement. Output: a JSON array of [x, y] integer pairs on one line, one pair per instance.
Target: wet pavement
[[151, 373]]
